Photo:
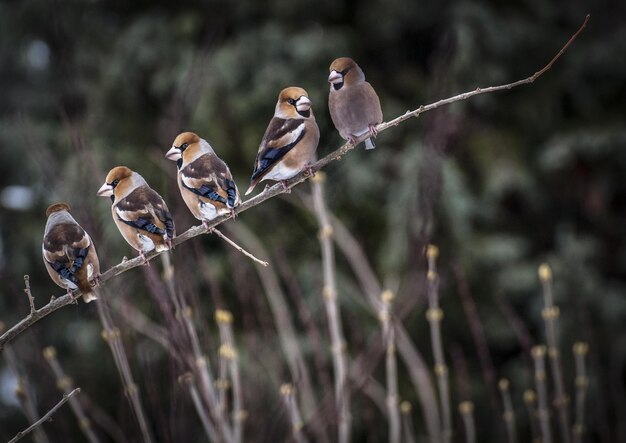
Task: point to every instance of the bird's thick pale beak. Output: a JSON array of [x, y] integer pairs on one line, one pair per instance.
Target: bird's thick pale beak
[[106, 190], [173, 154], [303, 104], [335, 77]]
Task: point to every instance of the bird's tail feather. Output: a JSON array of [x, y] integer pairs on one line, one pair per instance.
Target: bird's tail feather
[[369, 144]]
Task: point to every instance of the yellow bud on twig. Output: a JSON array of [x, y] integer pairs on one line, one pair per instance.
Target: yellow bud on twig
[[387, 296], [529, 396], [49, 353], [432, 251], [223, 316], [466, 407], [286, 389], [405, 407], [545, 273], [581, 348]]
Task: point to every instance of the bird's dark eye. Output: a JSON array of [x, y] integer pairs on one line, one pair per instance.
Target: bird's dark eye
[[291, 102], [344, 72], [115, 182], [183, 146]]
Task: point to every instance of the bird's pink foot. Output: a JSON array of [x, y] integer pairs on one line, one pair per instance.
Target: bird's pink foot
[[144, 258], [286, 188], [308, 170], [72, 296], [373, 130], [209, 229], [352, 139], [233, 214]]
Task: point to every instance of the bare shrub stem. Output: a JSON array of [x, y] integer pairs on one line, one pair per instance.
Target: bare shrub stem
[[329, 292], [287, 393], [509, 415], [65, 384], [543, 411], [229, 354], [434, 315], [582, 382], [24, 393], [284, 324], [408, 430], [112, 336], [530, 400], [550, 316], [46, 417], [419, 372], [391, 370], [466, 408]]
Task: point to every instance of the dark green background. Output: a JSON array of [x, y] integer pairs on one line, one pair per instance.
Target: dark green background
[[501, 182]]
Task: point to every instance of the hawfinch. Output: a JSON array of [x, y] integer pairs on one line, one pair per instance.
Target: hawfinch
[[353, 104], [69, 254], [290, 140], [205, 181], [139, 212]]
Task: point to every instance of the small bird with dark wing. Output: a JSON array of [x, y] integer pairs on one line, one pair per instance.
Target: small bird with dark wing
[[204, 180], [69, 254], [290, 141], [139, 211], [353, 104]]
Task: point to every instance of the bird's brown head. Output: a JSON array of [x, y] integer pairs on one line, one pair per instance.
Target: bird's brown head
[[57, 207], [293, 102], [181, 143], [344, 70], [113, 179]]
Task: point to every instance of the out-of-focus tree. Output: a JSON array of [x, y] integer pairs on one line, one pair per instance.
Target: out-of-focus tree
[[501, 183]]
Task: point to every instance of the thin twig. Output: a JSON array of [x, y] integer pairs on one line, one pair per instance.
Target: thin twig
[[550, 316], [64, 383], [140, 322], [582, 382], [228, 353], [284, 324], [478, 332], [329, 292], [237, 247], [543, 411], [275, 190], [46, 417], [408, 430], [197, 360], [434, 315], [112, 336], [24, 393], [466, 408], [206, 379], [419, 372], [391, 369], [287, 392], [509, 415], [31, 299], [209, 429], [530, 400]]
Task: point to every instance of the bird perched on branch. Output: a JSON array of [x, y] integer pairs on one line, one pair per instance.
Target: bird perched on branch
[[353, 104], [290, 139], [139, 211], [205, 182], [69, 254]]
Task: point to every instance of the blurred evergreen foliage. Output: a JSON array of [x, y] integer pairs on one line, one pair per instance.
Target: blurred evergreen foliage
[[501, 182]]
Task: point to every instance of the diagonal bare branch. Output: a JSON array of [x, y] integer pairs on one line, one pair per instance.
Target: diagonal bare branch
[[46, 417]]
